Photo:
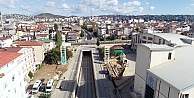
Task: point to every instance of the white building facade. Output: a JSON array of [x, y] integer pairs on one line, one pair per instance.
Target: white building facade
[[164, 71], [11, 76]]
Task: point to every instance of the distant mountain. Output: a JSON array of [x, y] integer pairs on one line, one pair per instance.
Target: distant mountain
[[49, 15]]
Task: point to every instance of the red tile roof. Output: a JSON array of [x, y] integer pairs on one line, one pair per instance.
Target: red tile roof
[[72, 32], [11, 49], [4, 38], [41, 26], [42, 35], [117, 47], [6, 57], [29, 43]]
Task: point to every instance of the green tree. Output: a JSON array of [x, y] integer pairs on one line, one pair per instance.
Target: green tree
[[138, 29], [44, 96], [98, 43], [58, 39], [69, 54], [82, 33], [55, 27], [53, 56], [34, 36], [30, 74]]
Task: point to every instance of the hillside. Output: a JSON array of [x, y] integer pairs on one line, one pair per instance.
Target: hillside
[[49, 15]]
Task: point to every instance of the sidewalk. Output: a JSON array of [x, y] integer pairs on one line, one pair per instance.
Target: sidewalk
[[57, 93]]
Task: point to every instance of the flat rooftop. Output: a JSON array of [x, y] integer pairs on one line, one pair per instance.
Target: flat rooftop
[[178, 73], [157, 47]]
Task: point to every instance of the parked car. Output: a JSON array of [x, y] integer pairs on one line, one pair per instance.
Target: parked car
[[36, 86], [49, 85]]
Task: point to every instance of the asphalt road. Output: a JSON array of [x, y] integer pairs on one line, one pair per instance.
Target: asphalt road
[[102, 85], [86, 88], [69, 84]]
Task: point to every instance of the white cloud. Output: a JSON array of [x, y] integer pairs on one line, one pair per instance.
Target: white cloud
[[147, 3], [109, 6], [24, 7], [136, 3], [65, 6], [152, 8], [8, 3], [50, 3]]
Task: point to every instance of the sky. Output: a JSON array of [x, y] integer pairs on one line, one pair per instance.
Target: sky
[[97, 7]]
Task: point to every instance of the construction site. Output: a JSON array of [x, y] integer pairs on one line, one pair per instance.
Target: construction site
[[121, 67]]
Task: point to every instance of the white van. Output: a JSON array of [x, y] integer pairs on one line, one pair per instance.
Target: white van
[[36, 87], [49, 85]]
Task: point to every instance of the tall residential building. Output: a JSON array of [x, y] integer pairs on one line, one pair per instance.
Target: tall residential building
[[11, 75], [27, 56]]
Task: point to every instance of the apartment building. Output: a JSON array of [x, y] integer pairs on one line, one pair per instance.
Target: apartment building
[[11, 75], [160, 38], [37, 46], [28, 57]]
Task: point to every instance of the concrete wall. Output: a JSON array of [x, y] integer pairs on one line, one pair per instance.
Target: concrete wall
[[159, 57], [39, 54], [142, 64]]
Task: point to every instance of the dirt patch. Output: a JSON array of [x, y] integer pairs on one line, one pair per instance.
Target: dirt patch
[[49, 71]]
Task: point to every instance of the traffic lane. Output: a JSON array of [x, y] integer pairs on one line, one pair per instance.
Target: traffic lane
[[86, 90], [86, 86], [87, 74], [101, 80]]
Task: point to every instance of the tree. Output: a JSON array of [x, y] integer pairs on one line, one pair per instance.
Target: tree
[[58, 39], [82, 34], [30, 74], [98, 43], [52, 56], [55, 27], [34, 36], [44, 96], [69, 54], [138, 29]]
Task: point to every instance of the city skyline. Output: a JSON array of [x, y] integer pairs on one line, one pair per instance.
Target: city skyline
[[97, 7]]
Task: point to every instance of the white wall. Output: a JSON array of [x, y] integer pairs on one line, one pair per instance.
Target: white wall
[[159, 57], [142, 64], [12, 88], [190, 92]]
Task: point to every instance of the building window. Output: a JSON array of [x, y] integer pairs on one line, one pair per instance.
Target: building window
[[144, 37], [169, 56], [163, 41], [185, 96], [15, 90], [143, 41], [13, 78], [159, 41], [5, 85], [150, 38]]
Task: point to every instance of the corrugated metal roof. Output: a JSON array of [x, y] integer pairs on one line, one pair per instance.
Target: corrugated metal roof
[[174, 38], [178, 73]]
